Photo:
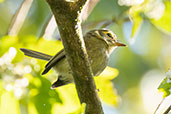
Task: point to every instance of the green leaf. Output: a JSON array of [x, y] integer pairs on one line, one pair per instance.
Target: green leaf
[[70, 102], [165, 85], [80, 110], [50, 47], [9, 104], [137, 21], [6, 42], [134, 14], [1, 1], [107, 92], [45, 97], [164, 22]]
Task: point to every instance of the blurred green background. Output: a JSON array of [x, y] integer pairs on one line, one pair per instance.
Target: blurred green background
[[128, 86]]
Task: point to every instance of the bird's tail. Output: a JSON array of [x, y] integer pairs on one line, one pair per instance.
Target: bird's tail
[[36, 54]]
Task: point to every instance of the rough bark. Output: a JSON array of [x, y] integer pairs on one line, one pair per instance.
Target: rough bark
[[68, 18]]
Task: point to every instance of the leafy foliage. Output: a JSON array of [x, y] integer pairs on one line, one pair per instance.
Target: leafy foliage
[[106, 88], [165, 85], [1, 1], [164, 22], [37, 96], [25, 91], [154, 10]]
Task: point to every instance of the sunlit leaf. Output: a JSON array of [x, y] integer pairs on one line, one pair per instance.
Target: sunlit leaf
[[69, 98], [28, 40], [80, 110], [164, 22], [165, 85], [83, 107], [51, 47], [31, 108], [45, 97], [7, 42], [1, 1], [48, 47], [106, 88], [137, 20], [9, 104], [109, 73]]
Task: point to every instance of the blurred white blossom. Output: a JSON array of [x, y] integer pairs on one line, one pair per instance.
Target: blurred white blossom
[[33, 61], [23, 82], [37, 67], [8, 57], [18, 92], [19, 69], [27, 69], [13, 74], [155, 9], [12, 52], [130, 2], [18, 86], [8, 78], [9, 87], [150, 96]]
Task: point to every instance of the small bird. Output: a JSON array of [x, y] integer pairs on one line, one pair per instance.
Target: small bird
[[99, 44]]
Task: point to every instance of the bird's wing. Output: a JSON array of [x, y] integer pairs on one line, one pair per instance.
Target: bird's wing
[[54, 60], [36, 54]]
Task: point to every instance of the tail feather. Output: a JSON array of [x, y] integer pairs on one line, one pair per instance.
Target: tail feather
[[36, 54], [59, 83]]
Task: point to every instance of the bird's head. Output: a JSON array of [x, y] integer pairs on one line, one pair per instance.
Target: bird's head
[[107, 36]]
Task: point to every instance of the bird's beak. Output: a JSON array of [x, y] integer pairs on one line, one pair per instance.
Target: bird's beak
[[119, 44]]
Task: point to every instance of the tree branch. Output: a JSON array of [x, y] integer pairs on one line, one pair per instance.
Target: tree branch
[[159, 106], [68, 18], [167, 110]]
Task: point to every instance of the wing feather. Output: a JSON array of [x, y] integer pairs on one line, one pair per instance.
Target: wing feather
[[36, 54], [54, 60]]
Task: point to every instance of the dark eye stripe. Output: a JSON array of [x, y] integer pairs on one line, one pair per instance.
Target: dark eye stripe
[[109, 35]]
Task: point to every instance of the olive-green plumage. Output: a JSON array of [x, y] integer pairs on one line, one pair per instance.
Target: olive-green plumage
[[99, 44]]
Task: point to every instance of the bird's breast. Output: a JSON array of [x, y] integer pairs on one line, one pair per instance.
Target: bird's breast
[[98, 59]]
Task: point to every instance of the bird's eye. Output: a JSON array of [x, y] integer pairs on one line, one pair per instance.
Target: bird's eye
[[108, 34]]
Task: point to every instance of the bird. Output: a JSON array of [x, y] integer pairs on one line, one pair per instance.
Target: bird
[[99, 43]]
